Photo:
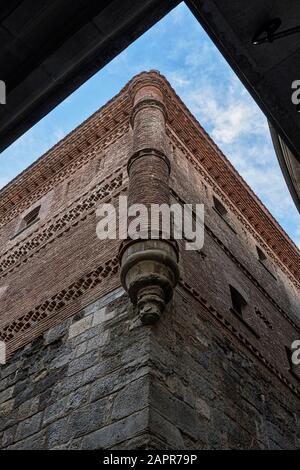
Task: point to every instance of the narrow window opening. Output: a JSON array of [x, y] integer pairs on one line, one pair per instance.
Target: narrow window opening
[[28, 220], [100, 163], [261, 256], [3, 289], [31, 217], [263, 259], [219, 207], [240, 309], [222, 212], [238, 302], [289, 353]]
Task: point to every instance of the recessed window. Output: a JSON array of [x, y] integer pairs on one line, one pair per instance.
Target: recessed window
[[219, 207], [100, 163], [240, 309], [28, 220], [222, 212], [263, 259], [261, 256], [239, 304], [32, 216]]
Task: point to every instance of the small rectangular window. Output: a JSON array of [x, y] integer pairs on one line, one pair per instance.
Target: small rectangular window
[[222, 212], [219, 207], [240, 309], [261, 256], [3, 289], [263, 259], [238, 302], [29, 219]]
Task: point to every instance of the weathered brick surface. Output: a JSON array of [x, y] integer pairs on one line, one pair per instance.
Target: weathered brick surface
[[83, 372]]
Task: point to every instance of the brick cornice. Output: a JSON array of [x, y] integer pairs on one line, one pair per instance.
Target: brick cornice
[[232, 188], [227, 182], [228, 202], [203, 151]]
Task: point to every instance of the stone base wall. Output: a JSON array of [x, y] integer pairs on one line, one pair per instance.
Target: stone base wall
[[101, 380], [83, 384], [210, 392]]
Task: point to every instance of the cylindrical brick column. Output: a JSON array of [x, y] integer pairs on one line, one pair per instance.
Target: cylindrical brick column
[[149, 267], [148, 166]]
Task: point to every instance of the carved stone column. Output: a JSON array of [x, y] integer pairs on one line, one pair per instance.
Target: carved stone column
[[149, 268]]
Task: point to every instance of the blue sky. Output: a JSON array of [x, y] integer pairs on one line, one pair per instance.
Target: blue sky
[[182, 51]]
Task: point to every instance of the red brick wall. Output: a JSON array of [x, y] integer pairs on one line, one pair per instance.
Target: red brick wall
[[62, 246], [50, 256]]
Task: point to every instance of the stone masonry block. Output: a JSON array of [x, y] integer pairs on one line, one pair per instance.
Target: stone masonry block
[[80, 326]]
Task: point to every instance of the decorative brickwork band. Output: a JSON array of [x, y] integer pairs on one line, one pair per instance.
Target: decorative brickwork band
[[149, 268], [60, 300], [59, 224]]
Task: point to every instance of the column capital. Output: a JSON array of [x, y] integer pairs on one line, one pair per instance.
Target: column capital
[[147, 85]]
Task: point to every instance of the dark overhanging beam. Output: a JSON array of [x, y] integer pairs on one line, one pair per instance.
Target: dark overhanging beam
[[71, 61], [289, 166]]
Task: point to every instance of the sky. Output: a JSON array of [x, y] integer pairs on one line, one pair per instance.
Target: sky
[[180, 49]]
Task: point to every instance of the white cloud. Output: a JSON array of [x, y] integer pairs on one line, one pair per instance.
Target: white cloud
[[177, 16], [240, 129], [177, 80], [3, 181], [227, 111], [59, 134]]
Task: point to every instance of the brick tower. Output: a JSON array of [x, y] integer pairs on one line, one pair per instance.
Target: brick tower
[[127, 344]]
